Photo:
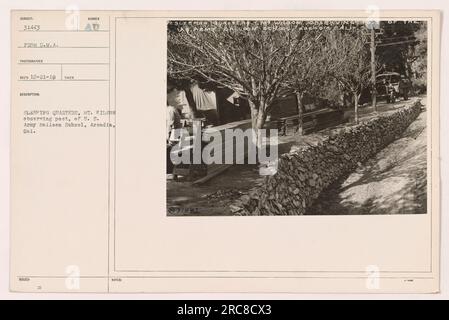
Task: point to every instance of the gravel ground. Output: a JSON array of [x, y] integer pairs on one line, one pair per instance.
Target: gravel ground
[[393, 182]]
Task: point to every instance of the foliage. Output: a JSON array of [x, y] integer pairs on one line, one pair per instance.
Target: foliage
[[265, 60], [257, 59], [349, 61]]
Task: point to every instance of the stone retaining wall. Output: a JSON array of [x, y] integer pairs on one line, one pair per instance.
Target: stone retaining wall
[[305, 171]]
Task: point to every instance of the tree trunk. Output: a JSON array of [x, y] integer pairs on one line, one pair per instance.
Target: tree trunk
[[254, 113], [300, 104], [356, 107], [373, 69], [261, 117], [258, 117]]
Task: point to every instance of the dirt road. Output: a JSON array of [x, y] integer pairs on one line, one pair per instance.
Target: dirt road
[[393, 182]]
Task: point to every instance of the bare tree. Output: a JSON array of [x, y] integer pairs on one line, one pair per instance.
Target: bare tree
[[349, 61], [257, 59], [310, 76]]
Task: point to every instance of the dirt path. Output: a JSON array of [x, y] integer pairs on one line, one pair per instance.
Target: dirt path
[[396, 175], [215, 196], [393, 182], [212, 197]]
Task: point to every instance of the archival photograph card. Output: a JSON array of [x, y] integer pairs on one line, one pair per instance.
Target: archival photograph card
[[301, 151]]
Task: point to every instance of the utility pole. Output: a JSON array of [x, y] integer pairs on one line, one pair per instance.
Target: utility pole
[[373, 68]]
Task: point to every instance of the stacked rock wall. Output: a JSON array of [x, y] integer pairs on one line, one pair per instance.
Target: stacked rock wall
[[304, 172]]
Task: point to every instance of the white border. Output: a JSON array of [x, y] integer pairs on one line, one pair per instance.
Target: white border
[[217, 5]]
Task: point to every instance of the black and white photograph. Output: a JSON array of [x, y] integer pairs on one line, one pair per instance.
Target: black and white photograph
[[302, 152], [296, 117]]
